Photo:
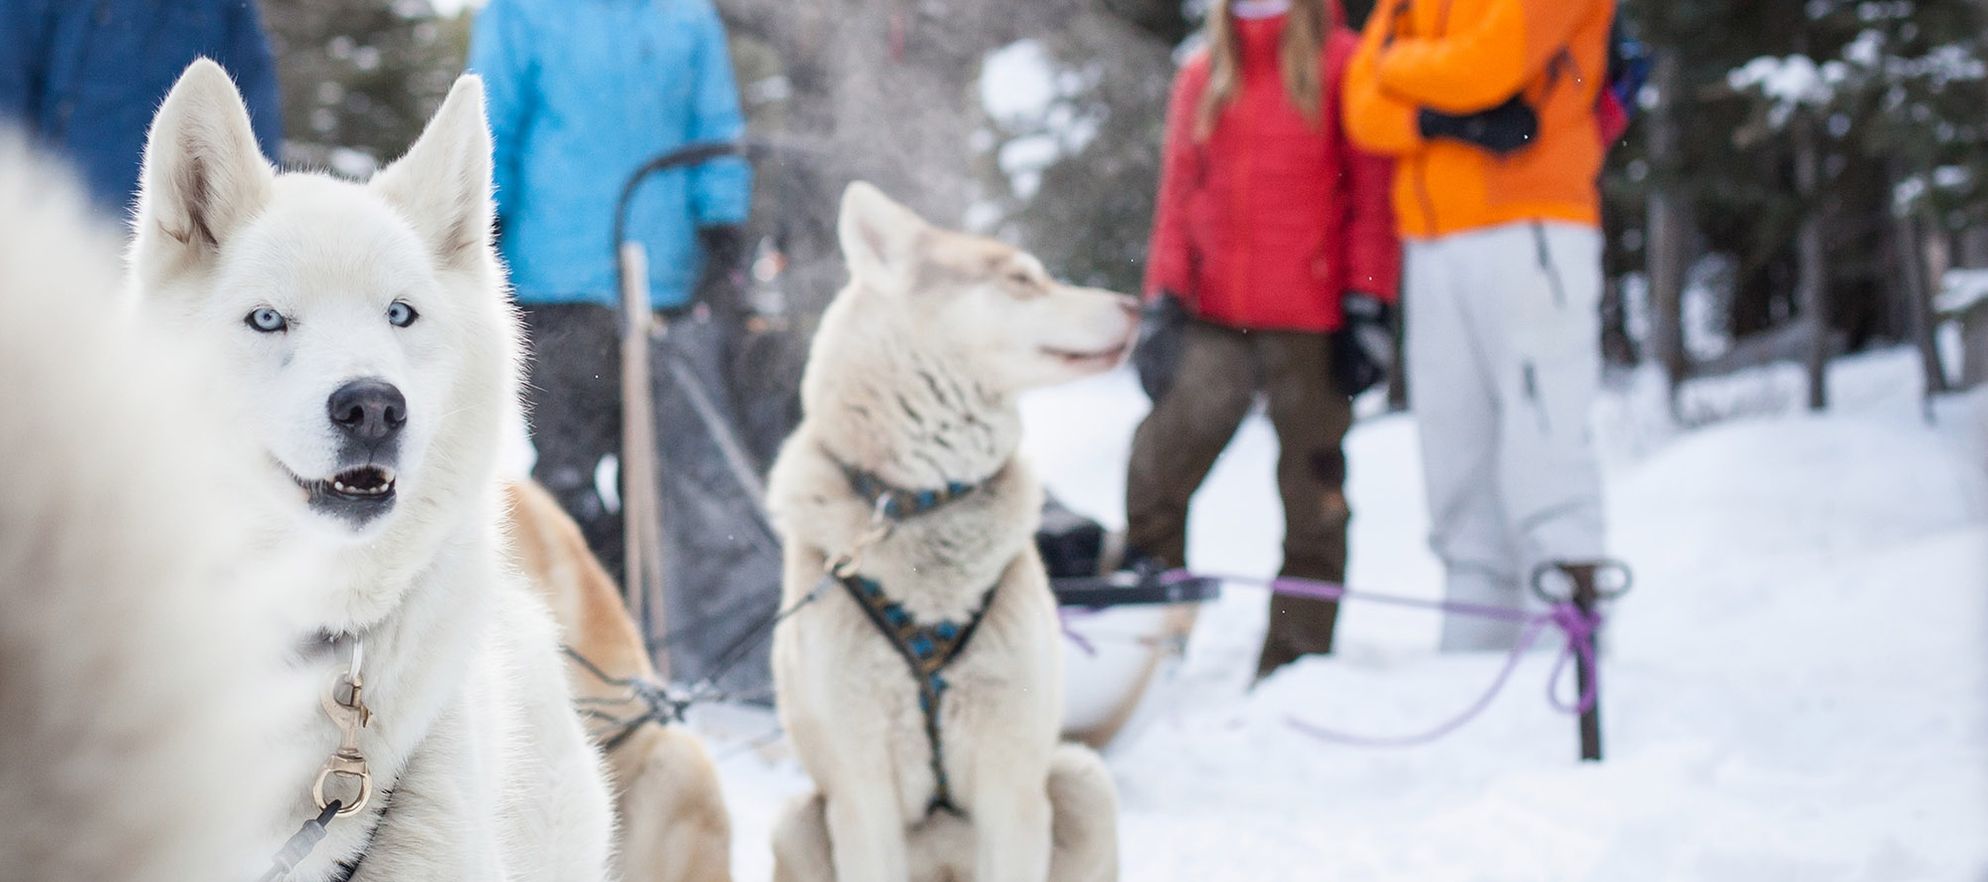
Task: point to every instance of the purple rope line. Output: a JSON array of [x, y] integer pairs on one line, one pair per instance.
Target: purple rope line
[[1063, 616], [1580, 628]]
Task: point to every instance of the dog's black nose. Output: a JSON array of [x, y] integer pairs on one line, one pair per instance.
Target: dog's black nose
[[368, 410]]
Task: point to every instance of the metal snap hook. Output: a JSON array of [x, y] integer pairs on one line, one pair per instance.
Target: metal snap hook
[[341, 765], [350, 714]]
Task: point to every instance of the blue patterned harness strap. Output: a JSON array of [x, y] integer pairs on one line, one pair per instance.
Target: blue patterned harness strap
[[897, 503], [927, 650]]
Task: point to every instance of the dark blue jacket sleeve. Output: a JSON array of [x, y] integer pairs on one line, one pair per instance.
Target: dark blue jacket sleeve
[[719, 191], [255, 74], [23, 53]]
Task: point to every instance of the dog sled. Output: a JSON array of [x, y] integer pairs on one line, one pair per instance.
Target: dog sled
[[710, 389]]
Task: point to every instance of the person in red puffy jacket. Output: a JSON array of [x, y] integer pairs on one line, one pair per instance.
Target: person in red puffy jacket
[[1272, 268]]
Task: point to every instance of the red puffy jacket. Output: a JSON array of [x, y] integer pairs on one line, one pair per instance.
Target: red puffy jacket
[[1267, 223]]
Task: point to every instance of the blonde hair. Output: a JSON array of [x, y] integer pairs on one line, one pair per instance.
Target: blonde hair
[[1298, 53]]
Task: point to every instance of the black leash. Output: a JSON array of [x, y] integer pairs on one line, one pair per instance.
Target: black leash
[[350, 868], [665, 706], [893, 504], [301, 844], [660, 705]]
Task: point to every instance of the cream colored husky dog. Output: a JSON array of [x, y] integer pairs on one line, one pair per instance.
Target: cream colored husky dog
[[364, 338], [921, 682]]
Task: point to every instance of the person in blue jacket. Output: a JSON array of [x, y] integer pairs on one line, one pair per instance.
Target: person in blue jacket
[[581, 93], [83, 77]]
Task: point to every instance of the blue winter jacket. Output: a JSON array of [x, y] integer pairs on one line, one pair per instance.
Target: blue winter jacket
[[582, 92], [84, 76]]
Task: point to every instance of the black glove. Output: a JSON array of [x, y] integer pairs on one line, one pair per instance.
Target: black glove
[[1362, 351], [1162, 336], [1501, 130], [724, 264]]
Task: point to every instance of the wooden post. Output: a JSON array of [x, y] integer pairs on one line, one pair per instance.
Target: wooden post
[[1584, 671], [1581, 587], [641, 515]]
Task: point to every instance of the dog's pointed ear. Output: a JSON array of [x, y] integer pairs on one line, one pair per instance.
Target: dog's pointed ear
[[203, 176], [442, 186], [879, 236]]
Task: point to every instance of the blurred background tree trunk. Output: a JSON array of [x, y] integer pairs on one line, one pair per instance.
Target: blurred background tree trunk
[[1918, 283], [1812, 278], [1668, 222]]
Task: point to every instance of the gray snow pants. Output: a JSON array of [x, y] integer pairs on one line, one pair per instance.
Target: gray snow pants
[[1504, 361]]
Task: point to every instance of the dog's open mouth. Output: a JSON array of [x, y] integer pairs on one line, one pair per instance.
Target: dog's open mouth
[[357, 494], [362, 484], [1073, 357]]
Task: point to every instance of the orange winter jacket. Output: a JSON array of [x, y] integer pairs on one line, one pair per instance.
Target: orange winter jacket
[[1463, 56]]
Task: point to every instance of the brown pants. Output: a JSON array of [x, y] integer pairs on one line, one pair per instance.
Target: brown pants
[[1221, 370]]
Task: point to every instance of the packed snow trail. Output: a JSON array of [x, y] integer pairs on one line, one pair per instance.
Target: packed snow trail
[[1796, 690]]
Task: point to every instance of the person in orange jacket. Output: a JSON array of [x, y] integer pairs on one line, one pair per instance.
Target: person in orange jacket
[[1488, 107]]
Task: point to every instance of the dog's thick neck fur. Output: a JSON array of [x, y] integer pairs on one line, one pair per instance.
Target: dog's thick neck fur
[[913, 416]]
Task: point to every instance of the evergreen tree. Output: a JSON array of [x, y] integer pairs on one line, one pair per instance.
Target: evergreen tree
[[1892, 93], [361, 77]]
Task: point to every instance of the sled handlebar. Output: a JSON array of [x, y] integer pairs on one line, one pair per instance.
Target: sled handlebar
[[687, 156]]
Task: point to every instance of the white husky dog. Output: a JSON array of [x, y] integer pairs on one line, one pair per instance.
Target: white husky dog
[[921, 684], [364, 335]]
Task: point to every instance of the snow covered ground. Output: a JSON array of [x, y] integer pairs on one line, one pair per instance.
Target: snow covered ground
[[1796, 690]]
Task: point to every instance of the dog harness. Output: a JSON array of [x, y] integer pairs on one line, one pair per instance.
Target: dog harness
[[927, 649], [897, 503]]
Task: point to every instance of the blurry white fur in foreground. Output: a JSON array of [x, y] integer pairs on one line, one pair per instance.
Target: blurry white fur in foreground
[[141, 673]]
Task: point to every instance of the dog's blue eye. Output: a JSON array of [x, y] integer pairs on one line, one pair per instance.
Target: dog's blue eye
[[400, 315], [267, 320]]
